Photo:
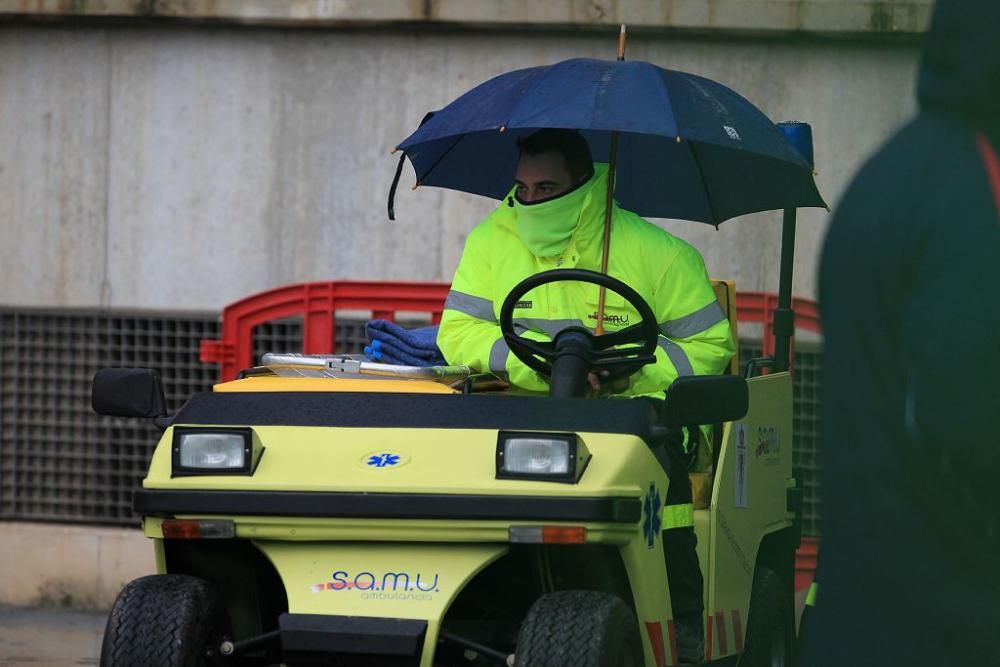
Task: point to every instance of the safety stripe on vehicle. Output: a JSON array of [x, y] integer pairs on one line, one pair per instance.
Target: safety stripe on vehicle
[[709, 641], [720, 623], [655, 632], [716, 628]]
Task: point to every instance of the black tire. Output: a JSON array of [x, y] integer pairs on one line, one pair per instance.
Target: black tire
[[771, 626], [167, 620], [579, 629]]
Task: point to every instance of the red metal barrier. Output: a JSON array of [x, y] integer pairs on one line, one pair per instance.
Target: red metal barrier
[[760, 306], [318, 304]]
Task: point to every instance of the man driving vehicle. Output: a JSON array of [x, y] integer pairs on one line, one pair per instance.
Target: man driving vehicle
[[553, 218]]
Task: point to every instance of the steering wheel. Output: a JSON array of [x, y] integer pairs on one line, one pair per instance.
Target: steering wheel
[[575, 351]]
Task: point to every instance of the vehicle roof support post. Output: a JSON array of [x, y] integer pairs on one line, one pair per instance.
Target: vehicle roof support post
[[800, 136], [784, 316]]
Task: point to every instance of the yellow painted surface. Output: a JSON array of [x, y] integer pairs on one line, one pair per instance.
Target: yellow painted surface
[[388, 580], [736, 532], [317, 556], [269, 383], [308, 458], [301, 529]]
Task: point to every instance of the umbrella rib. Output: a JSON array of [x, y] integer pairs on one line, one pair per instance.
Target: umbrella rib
[[704, 184]]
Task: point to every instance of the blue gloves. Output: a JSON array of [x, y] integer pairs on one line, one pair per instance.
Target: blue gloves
[[392, 344]]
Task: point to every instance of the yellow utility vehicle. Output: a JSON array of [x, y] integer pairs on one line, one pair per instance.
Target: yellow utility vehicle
[[330, 510]]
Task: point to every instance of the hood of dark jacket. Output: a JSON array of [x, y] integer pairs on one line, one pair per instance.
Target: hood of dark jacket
[[960, 68]]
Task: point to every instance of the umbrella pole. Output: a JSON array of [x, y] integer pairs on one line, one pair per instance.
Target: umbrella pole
[[608, 203]]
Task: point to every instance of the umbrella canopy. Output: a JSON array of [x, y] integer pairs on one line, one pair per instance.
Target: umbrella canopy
[[688, 147]]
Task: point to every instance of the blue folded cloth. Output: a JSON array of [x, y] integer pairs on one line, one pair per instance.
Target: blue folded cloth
[[392, 344]]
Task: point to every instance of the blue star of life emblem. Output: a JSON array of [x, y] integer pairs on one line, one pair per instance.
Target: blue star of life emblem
[[651, 521], [383, 460]]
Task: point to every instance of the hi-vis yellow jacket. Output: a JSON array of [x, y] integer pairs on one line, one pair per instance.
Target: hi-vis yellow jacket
[[668, 273]]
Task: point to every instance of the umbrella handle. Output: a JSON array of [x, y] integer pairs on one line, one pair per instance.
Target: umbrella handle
[[392, 188]]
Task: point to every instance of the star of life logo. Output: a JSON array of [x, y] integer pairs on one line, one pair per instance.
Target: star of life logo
[[651, 522], [383, 460]]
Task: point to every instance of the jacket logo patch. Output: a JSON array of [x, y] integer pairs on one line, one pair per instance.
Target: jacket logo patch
[[617, 320], [523, 304]]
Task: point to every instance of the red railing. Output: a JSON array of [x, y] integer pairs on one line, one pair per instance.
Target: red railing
[[760, 306], [318, 304]]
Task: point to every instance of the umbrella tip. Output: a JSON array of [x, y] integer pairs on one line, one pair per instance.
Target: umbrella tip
[[415, 186], [394, 151], [503, 128]]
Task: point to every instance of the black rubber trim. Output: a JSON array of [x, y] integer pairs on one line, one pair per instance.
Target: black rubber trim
[[164, 502], [352, 635], [374, 410]]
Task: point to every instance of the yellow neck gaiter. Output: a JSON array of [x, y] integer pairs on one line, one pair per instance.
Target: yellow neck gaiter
[[546, 227]]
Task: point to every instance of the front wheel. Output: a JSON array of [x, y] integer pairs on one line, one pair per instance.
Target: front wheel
[[771, 626], [579, 629], [166, 620]]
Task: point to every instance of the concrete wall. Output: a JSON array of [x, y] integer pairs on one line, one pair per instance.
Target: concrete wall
[[827, 16], [182, 167], [86, 571]]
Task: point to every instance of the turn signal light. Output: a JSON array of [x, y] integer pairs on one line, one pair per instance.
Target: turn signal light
[[548, 534], [189, 529]]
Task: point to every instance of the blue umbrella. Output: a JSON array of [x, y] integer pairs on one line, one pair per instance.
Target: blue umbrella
[[688, 147]]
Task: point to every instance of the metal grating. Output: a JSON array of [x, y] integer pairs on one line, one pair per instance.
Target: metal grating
[[806, 383], [61, 462]]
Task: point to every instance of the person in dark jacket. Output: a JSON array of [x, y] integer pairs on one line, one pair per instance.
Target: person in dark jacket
[[909, 570]]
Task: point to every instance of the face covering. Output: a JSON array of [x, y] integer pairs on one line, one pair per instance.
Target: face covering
[[547, 227]]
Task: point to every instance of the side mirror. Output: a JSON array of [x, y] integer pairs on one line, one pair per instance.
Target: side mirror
[[128, 392], [694, 400]]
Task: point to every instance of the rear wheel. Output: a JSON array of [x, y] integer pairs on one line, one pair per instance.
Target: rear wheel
[[771, 626], [579, 629], [165, 620]]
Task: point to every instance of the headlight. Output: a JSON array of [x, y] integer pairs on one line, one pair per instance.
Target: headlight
[[215, 451], [555, 457]]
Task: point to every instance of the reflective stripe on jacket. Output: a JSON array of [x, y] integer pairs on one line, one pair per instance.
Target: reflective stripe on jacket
[[695, 337]]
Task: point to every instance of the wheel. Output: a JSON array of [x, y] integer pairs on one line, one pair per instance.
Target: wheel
[[579, 629], [771, 626], [165, 620]]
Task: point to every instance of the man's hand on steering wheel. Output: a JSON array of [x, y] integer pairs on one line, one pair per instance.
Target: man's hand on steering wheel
[[602, 385]]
